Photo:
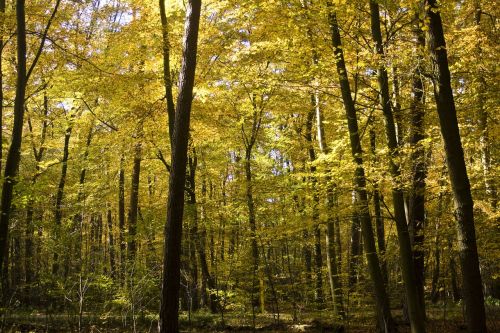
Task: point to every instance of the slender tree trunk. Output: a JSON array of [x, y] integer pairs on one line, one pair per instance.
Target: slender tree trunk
[[415, 310], [134, 204], [354, 244], [112, 261], [58, 213], [14, 153], [252, 220], [484, 138], [416, 214], [208, 279], [464, 206], [121, 217], [318, 260], [192, 233], [169, 315], [379, 219], [382, 301]]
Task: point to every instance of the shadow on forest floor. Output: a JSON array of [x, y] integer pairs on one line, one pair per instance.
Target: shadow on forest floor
[[438, 322]]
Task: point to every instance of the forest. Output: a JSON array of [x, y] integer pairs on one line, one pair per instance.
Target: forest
[[249, 165]]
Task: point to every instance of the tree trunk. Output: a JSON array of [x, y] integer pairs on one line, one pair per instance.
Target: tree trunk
[[471, 276], [192, 239], [252, 220], [318, 260], [134, 204], [354, 244], [484, 138], [415, 310], [112, 261], [121, 217], [58, 213], [382, 302], [416, 222], [169, 315], [379, 219], [14, 153]]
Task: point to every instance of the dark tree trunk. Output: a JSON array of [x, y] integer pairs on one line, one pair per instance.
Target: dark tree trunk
[[416, 214], [121, 218], [14, 153], [382, 301], [415, 310], [252, 220], [134, 204], [112, 261], [192, 234], [169, 315], [379, 219], [354, 244], [471, 276], [58, 213]]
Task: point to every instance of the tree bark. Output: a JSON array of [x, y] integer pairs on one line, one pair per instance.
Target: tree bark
[[484, 138], [14, 153], [58, 213], [121, 218], [471, 276], [416, 221], [169, 310], [379, 219], [415, 310], [354, 244], [134, 204], [382, 302], [112, 260]]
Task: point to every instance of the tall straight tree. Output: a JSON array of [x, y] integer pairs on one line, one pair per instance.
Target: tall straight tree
[[169, 310], [464, 207], [384, 316], [14, 153], [58, 211], [415, 309], [418, 165]]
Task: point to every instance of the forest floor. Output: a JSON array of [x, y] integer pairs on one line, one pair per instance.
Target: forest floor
[[439, 321]]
